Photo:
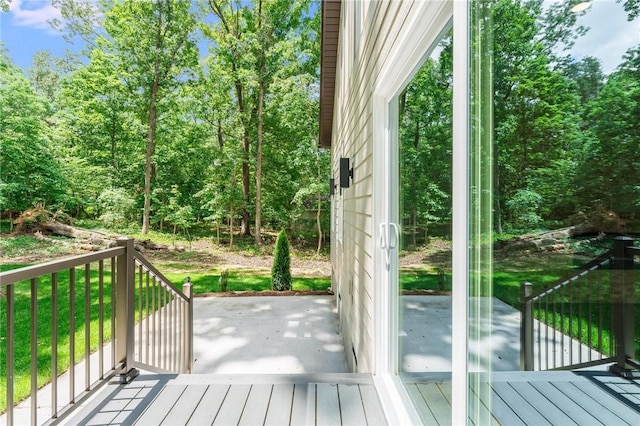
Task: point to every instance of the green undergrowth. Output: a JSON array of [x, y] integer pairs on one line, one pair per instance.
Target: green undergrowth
[[242, 280]]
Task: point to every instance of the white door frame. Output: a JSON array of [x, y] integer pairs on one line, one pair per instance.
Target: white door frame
[[416, 42]]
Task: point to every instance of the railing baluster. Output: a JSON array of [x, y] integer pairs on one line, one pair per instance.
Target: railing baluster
[[10, 350], [153, 321], [147, 341], [54, 345], [174, 309], [72, 335], [140, 312], [580, 327], [180, 324], [562, 303], [546, 333], [101, 319], [170, 326], [113, 311], [600, 314], [555, 328], [34, 351], [538, 325], [590, 315], [570, 324], [87, 326], [166, 327]]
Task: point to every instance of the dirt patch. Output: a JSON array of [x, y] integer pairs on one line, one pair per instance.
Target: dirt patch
[[208, 258], [437, 254]]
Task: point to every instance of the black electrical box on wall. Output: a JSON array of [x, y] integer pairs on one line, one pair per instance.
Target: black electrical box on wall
[[346, 173]]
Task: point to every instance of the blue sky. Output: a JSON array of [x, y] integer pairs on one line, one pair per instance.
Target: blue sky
[[25, 31]]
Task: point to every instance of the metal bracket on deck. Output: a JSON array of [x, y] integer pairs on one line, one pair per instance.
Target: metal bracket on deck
[[625, 373], [125, 378]]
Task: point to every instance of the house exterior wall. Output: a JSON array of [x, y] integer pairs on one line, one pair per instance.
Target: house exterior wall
[[370, 32]]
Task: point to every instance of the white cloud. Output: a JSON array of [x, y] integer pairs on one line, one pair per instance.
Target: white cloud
[[610, 34], [33, 13]]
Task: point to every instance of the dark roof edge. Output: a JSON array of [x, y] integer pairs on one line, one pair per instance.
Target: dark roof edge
[[328, 59]]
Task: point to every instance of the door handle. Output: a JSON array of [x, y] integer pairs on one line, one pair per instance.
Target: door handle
[[383, 237], [383, 244], [393, 242]]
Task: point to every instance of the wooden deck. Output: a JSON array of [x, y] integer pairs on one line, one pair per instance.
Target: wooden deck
[[326, 399], [535, 398], [517, 398]]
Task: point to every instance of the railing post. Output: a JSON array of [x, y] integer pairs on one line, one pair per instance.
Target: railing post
[[187, 289], [125, 314], [526, 327], [622, 307]]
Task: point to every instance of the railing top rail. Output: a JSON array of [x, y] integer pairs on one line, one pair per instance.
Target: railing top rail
[[585, 269], [635, 251], [34, 271], [144, 262]]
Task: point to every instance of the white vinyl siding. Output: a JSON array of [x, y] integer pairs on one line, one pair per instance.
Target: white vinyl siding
[[362, 54]]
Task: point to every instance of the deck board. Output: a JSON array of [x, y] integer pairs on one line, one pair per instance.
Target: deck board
[[371, 404], [233, 405], [543, 405], [185, 405], [327, 405], [438, 402], [161, 405], [421, 405], [522, 407], [351, 408], [257, 404], [589, 399], [564, 403], [499, 408], [304, 405], [207, 409], [515, 398], [279, 411]]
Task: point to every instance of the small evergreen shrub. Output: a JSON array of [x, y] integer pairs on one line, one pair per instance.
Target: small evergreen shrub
[[224, 279], [281, 270]]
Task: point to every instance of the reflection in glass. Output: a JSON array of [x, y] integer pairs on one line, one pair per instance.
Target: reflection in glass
[[554, 163], [425, 145]]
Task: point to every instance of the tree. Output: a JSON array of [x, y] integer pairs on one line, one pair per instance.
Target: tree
[[29, 173], [281, 270], [536, 108], [608, 175], [152, 46], [255, 42], [426, 144]]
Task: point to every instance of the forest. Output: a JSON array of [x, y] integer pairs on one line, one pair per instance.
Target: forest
[[566, 135], [180, 114], [174, 114]]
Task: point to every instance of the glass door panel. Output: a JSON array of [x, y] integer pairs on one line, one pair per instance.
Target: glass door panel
[[424, 210], [553, 162]]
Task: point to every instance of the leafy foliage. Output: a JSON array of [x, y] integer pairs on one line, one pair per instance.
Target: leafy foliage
[[30, 173]]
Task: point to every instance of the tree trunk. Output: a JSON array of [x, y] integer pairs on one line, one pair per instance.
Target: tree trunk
[[318, 223], [146, 212], [497, 220], [258, 235], [246, 178]]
